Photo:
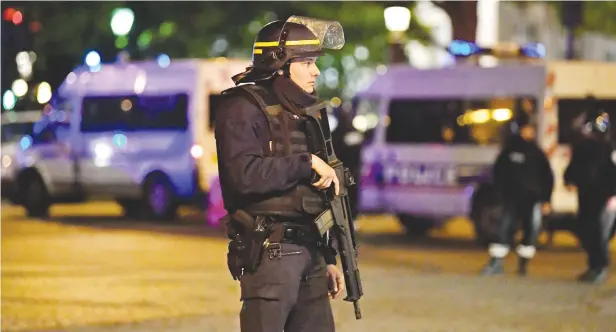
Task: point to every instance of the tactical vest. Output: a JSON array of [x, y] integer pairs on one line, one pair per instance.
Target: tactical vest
[[287, 137]]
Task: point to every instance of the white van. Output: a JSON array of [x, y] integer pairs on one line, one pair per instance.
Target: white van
[[140, 133], [17, 130], [436, 133]]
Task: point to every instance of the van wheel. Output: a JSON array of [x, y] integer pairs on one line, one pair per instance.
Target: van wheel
[[35, 197], [415, 226], [159, 198]]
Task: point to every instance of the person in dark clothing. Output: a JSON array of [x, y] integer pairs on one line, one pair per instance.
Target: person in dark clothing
[[349, 140], [524, 179], [592, 172], [271, 182]]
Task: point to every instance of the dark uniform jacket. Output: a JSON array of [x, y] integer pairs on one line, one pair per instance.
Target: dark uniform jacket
[[247, 173], [522, 170], [252, 170], [263, 148], [592, 168]]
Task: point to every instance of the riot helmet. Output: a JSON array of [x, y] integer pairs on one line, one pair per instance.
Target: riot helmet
[[596, 120], [279, 42], [523, 124]]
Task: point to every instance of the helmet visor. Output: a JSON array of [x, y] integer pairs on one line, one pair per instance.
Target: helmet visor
[[328, 34], [601, 122]]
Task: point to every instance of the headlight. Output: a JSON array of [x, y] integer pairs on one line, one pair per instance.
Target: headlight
[[6, 161], [103, 151], [102, 154], [196, 151]]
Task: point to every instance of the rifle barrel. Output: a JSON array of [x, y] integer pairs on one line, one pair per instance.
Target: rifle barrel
[[357, 310]]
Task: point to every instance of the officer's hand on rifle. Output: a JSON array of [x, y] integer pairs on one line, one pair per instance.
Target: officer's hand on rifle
[[327, 174], [335, 281], [611, 203]]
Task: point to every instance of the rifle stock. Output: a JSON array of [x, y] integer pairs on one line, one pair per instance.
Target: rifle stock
[[343, 230]]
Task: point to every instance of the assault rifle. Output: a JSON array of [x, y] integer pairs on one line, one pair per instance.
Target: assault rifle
[[337, 218]]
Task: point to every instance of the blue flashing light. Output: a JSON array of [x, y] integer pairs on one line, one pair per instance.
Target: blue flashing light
[[25, 142], [95, 69], [533, 50], [163, 60], [119, 139], [93, 59], [463, 48]]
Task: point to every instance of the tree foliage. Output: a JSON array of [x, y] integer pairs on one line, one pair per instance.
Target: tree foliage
[[597, 16], [463, 15], [600, 16], [70, 29]]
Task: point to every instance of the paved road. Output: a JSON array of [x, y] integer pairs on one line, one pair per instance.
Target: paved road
[[88, 270]]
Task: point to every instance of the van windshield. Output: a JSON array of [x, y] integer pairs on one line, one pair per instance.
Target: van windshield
[[13, 132], [453, 121]]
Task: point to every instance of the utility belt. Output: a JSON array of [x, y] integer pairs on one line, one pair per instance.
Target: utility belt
[[295, 203], [302, 235], [251, 236]]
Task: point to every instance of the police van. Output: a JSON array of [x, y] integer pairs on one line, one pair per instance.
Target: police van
[[139, 132], [17, 130], [434, 134]]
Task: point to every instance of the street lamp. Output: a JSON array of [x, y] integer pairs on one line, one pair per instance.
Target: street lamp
[[397, 21], [122, 20], [43, 93]]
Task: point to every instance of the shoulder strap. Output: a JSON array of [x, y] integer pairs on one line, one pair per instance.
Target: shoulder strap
[[261, 96], [251, 89]]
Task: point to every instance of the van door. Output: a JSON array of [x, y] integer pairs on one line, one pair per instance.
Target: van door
[[55, 157]]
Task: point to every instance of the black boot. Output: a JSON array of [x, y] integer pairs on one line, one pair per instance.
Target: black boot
[[594, 276], [523, 266], [583, 276], [494, 267]]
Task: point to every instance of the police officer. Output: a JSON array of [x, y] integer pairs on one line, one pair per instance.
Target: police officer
[[523, 177], [592, 171], [271, 182]]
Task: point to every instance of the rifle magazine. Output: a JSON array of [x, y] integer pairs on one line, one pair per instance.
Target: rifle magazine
[[324, 221]]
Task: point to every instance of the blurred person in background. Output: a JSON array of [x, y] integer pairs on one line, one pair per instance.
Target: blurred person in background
[[524, 179], [348, 143], [271, 183], [592, 172]]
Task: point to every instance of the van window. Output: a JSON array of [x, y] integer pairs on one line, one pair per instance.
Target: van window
[[13, 132], [51, 132], [453, 121], [134, 113], [570, 112]]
